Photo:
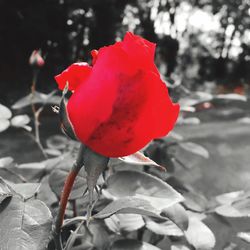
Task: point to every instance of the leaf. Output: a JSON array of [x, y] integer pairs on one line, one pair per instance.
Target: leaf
[[124, 222], [229, 198], [195, 201], [177, 214], [5, 112], [20, 120], [144, 186], [139, 158], [4, 124], [100, 235], [26, 190], [57, 142], [8, 170], [31, 171], [194, 148], [24, 224], [5, 191], [199, 235], [52, 152], [240, 208], [38, 98], [130, 244], [57, 179], [179, 247], [229, 211], [244, 236], [129, 205], [233, 97], [6, 161], [164, 228], [45, 193], [199, 216]]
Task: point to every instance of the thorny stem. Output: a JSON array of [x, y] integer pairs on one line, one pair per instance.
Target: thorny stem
[[36, 114], [65, 195]]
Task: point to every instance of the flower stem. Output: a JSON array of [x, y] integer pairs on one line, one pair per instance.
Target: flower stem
[[36, 114], [65, 196]]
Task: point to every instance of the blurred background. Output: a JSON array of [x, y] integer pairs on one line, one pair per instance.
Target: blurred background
[[201, 44]]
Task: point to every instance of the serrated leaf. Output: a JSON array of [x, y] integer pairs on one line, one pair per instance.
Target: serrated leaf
[[124, 222], [24, 225], [199, 235], [5, 112], [130, 244], [38, 98], [194, 148], [139, 158], [143, 186]]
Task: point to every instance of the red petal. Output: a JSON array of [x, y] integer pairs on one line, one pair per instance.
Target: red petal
[[123, 104], [142, 111], [75, 74], [119, 110], [141, 50], [92, 103]]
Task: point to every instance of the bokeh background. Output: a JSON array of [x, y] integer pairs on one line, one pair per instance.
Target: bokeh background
[[203, 44]]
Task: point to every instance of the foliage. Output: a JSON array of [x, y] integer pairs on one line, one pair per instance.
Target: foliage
[[136, 205]]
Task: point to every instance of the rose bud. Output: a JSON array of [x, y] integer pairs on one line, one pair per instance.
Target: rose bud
[[36, 59], [119, 104]]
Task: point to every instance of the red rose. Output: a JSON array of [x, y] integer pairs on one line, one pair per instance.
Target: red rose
[[120, 104]]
